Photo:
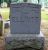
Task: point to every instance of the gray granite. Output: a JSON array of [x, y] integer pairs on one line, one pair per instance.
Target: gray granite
[[25, 18], [25, 21], [23, 40]]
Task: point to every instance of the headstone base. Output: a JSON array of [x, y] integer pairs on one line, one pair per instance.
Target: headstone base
[[13, 41]]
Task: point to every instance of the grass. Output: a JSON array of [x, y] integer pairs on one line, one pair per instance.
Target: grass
[[6, 11], [44, 14]]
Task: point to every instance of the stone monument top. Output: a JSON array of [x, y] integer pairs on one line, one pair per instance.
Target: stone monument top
[[25, 18]]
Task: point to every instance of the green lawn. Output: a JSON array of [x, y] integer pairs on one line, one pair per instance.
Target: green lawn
[[44, 14], [6, 11]]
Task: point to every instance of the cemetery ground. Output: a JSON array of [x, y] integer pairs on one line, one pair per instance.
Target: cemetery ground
[[5, 13], [44, 29], [44, 26]]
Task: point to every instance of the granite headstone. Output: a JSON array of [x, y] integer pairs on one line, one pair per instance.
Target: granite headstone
[[25, 21], [25, 18]]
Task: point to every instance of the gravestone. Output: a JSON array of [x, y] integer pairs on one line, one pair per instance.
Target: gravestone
[[25, 20]]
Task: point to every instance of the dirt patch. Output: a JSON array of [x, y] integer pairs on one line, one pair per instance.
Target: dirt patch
[[2, 43], [44, 29]]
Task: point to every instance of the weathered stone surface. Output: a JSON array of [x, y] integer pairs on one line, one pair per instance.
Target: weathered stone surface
[[25, 27], [25, 18], [24, 40]]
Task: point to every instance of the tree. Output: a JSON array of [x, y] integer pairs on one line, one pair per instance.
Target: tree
[[0, 1], [38, 1], [25, 0]]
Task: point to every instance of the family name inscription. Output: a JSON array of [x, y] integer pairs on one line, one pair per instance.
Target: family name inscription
[[25, 18]]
